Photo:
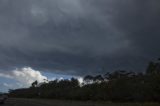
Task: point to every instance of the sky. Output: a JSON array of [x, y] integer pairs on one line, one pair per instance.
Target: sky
[[44, 39]]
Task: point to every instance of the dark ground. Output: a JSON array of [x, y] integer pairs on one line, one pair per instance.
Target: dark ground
[[40, 102]]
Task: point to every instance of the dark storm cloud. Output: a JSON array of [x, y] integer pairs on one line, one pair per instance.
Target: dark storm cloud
[[78, 36]]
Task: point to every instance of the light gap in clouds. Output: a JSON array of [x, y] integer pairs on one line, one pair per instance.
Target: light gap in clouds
[[24, 77]]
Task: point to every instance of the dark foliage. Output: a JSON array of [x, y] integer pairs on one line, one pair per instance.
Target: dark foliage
[[119, 86]]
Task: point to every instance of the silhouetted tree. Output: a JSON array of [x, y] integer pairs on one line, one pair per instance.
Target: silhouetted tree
[[118, 86], [88, 79], [35, 83], [98, 78]]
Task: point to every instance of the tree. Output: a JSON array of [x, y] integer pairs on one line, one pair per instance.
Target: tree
[[153, 68], [98, 78], [34, 84], [88, 79]]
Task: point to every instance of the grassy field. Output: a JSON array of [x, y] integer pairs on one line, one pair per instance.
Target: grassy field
[[42, 102]]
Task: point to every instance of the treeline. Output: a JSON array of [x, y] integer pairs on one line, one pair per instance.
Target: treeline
[[118, 86]]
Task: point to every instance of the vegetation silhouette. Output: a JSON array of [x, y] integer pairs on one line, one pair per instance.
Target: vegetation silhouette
[[118, 86]]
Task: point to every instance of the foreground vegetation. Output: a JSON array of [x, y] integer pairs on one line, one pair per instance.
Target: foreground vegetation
[[119, 86]]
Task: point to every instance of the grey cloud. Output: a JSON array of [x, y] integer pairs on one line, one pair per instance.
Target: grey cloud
[[78, 36]]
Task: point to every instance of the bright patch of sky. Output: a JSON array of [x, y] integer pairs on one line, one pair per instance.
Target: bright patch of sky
[[23, 77], [52, 76]]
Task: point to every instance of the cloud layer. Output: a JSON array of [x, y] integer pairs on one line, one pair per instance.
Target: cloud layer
[[78, 36]]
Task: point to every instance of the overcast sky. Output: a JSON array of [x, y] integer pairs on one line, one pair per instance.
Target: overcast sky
[[77, 37]]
